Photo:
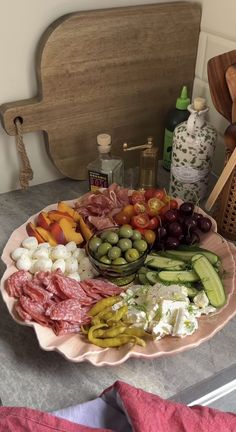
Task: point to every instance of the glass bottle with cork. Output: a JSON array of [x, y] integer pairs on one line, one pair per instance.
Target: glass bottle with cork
[[106, 169]]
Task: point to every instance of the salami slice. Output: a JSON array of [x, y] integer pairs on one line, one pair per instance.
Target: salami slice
[[69, 310], [72, 289], [16, 281], [36, 292], [62, 328], [22, 313], [35, 310]]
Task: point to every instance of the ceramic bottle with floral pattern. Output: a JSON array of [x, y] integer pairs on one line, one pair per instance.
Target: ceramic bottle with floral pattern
[[193, 149]]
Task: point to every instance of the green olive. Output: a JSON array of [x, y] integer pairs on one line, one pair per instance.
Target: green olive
[[94, 243], [140, 245], [136, 235], [105, 260], [114, 253], [103, 249], [126, 231], [112, 237], [119, 261], [131, 255], [125, 244]]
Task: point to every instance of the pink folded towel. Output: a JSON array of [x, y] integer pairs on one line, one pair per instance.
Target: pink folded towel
[[135, 409]]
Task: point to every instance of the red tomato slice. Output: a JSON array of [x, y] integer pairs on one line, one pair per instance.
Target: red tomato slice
[[140, 207], [140, 221], [154, 206], [160, 194], [173, 204], [153, 223], [164, 209], [137, 196]]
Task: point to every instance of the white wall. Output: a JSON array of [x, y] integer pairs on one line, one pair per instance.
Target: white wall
[[21, 25], [218, 35]]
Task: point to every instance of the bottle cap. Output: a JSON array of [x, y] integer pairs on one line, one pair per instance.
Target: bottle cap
[[104, 139], [183, 101]]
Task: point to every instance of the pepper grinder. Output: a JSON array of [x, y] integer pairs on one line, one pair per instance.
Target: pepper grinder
[[148, 163]]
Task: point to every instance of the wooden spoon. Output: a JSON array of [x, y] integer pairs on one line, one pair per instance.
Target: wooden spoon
[[230, 142], [230, 77]]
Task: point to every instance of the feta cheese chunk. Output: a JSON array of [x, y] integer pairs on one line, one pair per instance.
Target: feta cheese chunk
[[201, 299]]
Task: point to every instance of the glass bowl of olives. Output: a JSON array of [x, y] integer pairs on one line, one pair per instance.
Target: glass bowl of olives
[[117, 253]]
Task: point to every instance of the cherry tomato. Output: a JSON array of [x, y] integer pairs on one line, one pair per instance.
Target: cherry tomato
[[160, 194], [140, 221], [121, 218], [137, 196], [154, 206], [129, 210], [149, 193], [153, 223], [149, 236], [164, 209], [140, 207], [173, 204]]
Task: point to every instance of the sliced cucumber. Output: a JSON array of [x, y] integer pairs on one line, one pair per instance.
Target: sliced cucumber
[[210, 280], [160, 262], [143, 279], [152, 277], [179, 276], [192, 292], [186, 255]]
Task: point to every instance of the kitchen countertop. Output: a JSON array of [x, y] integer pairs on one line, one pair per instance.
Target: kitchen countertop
[[32, 377]]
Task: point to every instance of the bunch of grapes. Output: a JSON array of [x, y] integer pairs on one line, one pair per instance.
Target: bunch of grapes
[[181, 226]]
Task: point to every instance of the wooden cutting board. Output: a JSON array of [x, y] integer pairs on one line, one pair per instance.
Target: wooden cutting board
[[116, 71]]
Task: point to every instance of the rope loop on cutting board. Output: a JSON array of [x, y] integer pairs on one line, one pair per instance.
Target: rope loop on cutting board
[[26, 172]]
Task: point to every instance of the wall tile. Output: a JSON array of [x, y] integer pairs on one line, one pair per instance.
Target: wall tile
[[215, 46]]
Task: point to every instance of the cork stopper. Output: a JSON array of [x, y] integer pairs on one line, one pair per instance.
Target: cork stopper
[[199, 104]]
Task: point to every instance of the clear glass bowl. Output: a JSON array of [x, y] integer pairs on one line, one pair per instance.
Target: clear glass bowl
[[121, 274]]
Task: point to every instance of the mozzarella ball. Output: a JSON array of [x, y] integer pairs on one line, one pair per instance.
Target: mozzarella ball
[[59, 264], [32, 268], [40, 253], [71, 265], [71, 246], [44, 245], [75, 276], [18, 252], [30, 243], [85, 264], [58, 252], [24, 263], [79, 254], [43, 264]]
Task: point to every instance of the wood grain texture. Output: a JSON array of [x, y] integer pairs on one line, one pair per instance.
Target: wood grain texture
[[216, 69], [117, 71]]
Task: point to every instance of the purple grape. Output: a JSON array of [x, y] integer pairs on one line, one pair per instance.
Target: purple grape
[[181, 218], [161, 232], [171, 243], [191, 239], [175, 229], [187, 208], [204, 224], [197, 216], [171, 216], [190, 224]]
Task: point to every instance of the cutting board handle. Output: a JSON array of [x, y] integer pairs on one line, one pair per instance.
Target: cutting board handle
[[31, 112]]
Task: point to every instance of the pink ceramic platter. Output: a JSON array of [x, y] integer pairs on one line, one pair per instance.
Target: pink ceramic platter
[[76, 349]]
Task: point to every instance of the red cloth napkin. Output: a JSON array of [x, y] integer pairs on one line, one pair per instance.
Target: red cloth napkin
[[145, 412]]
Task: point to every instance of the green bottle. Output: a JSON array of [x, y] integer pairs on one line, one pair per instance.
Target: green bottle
[[176, 116]]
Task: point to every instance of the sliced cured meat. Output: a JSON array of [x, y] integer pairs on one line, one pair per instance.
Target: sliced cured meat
[[22, 313], [34, 309], [61, 328], [101, 223], [36, 292], [71, 289], [69, 310], [103, 287], [16, 281]]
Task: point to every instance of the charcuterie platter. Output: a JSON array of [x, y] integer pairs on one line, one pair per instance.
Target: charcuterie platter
[[77, 348]]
